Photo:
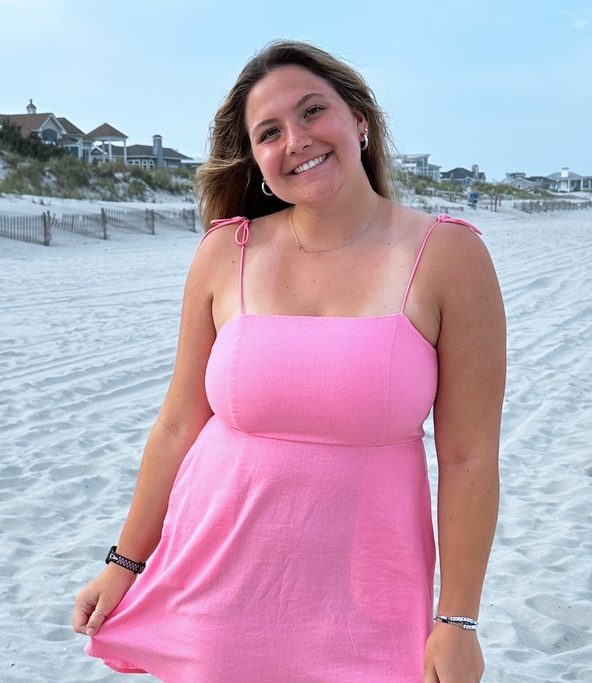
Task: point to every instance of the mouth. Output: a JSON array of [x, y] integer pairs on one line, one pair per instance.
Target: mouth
[[307, 165]]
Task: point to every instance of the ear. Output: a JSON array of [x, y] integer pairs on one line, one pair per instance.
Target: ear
[[361, 121]]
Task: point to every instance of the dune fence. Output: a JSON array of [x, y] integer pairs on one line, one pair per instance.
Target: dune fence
[[38, 229], [552, 205]]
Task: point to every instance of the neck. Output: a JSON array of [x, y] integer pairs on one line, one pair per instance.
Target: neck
[[330, 225]]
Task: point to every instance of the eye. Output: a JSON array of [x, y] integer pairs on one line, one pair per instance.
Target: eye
[[270, 132], [311, 111]]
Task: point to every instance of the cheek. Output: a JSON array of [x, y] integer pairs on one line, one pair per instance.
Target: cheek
[[266, 160]]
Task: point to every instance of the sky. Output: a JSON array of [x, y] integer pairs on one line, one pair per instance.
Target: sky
[[504, 84]]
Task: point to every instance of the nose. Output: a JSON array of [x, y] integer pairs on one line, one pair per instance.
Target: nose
[[297, 139]]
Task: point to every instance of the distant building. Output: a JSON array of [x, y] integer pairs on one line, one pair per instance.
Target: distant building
[[99, 145], [150, 156], [541, 181], [568, 181], [46, 126], [107, 135], [75, 141], [463, 176], [562, 181], [418, 164], [518, 181]]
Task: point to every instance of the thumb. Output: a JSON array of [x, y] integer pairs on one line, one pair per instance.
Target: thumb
[[96, 619]]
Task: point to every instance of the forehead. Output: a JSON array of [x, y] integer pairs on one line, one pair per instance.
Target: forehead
[[282, 88]]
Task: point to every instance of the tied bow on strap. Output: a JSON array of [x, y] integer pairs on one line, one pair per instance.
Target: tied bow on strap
[[241, 234], [445, 218]]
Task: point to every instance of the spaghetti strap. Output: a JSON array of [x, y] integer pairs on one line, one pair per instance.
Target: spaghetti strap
[[241, 237], [442, 218]]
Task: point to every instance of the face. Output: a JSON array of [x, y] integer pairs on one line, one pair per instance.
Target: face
[[304, 137]]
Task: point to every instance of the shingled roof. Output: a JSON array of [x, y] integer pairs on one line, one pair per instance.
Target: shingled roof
[[71, 129], [29, 123], [144, 151], [105, 131]]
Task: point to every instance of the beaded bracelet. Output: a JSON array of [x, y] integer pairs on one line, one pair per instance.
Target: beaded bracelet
[[462, 622]]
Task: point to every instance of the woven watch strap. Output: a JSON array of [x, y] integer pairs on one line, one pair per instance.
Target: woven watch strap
[[114, 556]]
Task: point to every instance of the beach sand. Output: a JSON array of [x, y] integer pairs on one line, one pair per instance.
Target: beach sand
[[87, 343]]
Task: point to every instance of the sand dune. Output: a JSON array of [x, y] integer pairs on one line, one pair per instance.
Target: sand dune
[[86, 350]]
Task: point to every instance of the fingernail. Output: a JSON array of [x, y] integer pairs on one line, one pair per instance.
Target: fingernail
[[91, 631]]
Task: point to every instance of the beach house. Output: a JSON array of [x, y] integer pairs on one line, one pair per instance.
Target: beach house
[[463, 176], [418, 164], [104, 143]]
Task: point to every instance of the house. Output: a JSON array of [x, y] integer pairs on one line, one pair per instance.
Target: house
[[62, 132], [45, 126], [150, 156], [518, 181], [418, 164], [75, 141], [107, 135], [462, 176], [568, 181], [541, 181]]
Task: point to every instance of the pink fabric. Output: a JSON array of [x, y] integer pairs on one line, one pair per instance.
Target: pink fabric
[[298, 543]]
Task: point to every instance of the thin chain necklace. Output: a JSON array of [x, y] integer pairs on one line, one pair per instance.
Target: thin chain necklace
[[304, 250]]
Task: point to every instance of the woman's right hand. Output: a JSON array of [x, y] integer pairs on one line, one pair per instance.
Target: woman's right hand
[[99, 598]]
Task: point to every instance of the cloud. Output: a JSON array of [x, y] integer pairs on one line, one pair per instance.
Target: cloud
[[578, 19]]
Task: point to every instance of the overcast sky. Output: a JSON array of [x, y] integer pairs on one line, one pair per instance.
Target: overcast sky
[[505, 84]]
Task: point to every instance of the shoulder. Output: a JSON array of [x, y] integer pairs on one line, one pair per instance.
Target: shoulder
[[457, 246], [455, 261], [215, 256]]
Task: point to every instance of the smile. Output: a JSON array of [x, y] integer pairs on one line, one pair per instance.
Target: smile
[[307, 165]]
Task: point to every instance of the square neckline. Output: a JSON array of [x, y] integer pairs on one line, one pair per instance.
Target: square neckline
[[387, 316]]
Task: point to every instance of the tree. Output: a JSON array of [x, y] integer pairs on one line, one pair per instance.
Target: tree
[[12, 140]]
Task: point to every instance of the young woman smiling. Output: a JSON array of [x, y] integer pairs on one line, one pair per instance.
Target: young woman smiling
[[283, 506]]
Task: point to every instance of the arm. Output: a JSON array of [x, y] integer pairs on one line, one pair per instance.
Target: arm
[[467, 415], [183, 414]]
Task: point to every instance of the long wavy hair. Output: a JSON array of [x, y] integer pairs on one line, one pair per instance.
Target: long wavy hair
[[229, 182]]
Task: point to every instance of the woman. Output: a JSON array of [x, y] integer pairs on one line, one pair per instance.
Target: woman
[[294, 542]]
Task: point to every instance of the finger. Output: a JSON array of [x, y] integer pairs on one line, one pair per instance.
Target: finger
[[98, 616], [430, 675], [82, 611]]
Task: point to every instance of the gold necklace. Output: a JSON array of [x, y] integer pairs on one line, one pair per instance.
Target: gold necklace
[[303, 249]]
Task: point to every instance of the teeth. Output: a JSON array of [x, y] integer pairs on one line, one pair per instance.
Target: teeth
[[310, 164]]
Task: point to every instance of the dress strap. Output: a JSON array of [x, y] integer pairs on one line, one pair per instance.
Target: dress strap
[[241, 237], [442, 218]]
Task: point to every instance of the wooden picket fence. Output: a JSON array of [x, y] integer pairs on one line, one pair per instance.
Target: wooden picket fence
[[38, 229], [89, 224], [552, 205]]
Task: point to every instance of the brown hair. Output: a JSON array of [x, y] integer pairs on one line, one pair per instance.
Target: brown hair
[[229, 183]]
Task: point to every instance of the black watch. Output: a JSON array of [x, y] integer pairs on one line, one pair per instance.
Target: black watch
[[113, 556]]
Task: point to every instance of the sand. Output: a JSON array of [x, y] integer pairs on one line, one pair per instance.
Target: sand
[[87, 343]]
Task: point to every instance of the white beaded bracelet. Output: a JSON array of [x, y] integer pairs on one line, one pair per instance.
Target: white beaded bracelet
[[462, 622]]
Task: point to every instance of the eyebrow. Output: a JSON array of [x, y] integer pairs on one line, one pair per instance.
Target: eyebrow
[[298, 104]]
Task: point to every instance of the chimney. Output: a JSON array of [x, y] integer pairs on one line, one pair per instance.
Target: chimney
[[31, 108], [475, 170], [157, 150], [565, 172]]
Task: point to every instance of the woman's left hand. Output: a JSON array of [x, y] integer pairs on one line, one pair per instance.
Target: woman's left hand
[[452, 655]]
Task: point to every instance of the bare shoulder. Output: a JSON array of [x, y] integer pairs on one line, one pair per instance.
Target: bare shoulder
[[215, 260]]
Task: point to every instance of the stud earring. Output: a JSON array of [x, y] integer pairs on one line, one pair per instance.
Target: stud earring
[[364, 145], [265, 189]]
